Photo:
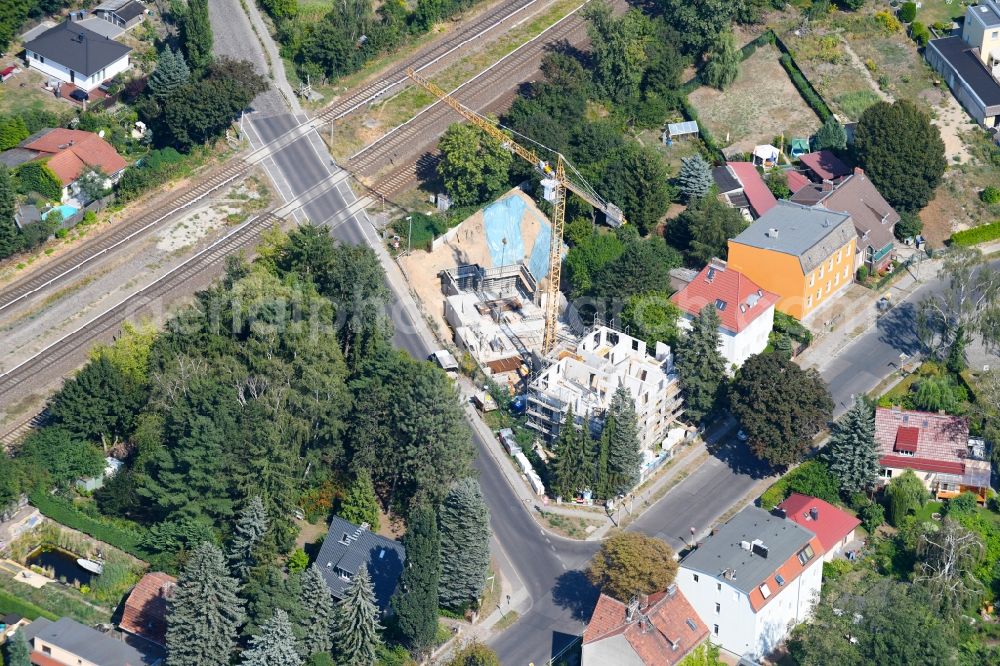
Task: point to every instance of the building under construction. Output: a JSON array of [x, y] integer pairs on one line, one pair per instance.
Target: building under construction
[[495, 318]]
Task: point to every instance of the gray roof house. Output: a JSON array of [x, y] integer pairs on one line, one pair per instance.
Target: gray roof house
[[66, 641], [347, 546], [73, 54], [122, 13]]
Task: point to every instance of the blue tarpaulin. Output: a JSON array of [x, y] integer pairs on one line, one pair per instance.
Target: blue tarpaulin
[[502, 220]]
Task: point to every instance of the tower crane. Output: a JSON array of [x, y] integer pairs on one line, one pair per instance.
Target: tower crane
[[555, 183]]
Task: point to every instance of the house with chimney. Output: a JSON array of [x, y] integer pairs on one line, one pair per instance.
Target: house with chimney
[[71, 53], [752, 580], [804, 254], [936, 447], [66, 642], [741, 187], [833, 526], [347, 547], [651, 630], [745, 310]]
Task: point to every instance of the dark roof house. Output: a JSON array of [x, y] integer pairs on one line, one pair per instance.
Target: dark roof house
[[66, 642], [348, 546], [743, 188], [123, 13], [653, 630], [76, 47], [825, 165]]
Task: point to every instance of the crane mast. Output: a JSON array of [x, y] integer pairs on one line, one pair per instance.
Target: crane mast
[[556, 184]]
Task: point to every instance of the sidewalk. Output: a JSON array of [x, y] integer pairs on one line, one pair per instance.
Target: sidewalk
[[274, 62]]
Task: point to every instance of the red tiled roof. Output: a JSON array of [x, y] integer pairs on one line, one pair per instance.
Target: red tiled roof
[[39, 659], [825, 165], [789, 570], [146, 607], [743, 300], [754, 187], [73, 150], [938, 442], [906, 439], [796, 180], [831, 524], [664, 640]]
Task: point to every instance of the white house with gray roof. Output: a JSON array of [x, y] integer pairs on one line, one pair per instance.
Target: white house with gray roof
[[754, 579], [348, 546], [66, 642], [73, 54]]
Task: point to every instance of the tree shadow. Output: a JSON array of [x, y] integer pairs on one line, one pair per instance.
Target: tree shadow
[[738, 457], [576, 594], [898, 329]]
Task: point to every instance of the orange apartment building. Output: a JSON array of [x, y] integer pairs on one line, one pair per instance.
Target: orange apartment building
[[803, 254]]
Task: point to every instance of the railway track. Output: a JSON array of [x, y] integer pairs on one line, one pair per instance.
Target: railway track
[[396, 76], [420, 133]]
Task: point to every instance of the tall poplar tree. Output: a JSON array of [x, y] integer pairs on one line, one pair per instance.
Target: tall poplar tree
[[196, 34], [700, 365], [621, 429], [355, 622], [852, 454], [316, 613], [416, 600], [204, 612], [464, 522], [251, 525], [573, 469], [274, 645]]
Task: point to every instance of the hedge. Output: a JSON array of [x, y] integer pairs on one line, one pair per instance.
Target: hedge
[[11, 604], [38, 177], [63, 512], [805, 89], [976, 235]]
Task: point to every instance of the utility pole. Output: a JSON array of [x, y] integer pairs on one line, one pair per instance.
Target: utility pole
[[409, 234]]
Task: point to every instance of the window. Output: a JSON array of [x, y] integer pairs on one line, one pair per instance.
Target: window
[[836, 279], [718, 587], [779, 580], [809, 302], [831, 265], [828, 286], [819, 294], [820, 275], [994, 34], [812, 279], [845, 273], [46, 649], [765, 591], [806, 554], [695, 577], [718, 608], [886, 473], [715, 629]]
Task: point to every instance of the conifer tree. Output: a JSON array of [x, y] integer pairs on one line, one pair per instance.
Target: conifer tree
[[700, 365], [170, 74], [13, 131], [695, 177], [196, 34], [316, 608], [251, 525], [274, 645], [464, 522], [10, 237], [852, 454], [18, 652], [831, 136], [360, 505], [624, 450], [416, 598], [573, 467], [355, 622], [205, 612]]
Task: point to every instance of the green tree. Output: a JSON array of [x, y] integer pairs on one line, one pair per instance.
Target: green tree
[[905, 493], [10, 237], [643, 266], [631, 563], [780, 406], [415, 602], [695, 177], [270, 589], [360, 505], [705, 654], [464, 523], [830, 136], [170, 75], [619, 49], [18, 652], [12, 131], [901, 151], [205, 612], [702, 232], [777, 183], [63, 455], [251, 525], [274, 645], [852, 453], [37, 177], [587, 258], [475, 654], [473, 166], [196, 34], [723, 65], [621, 430], [355, 620], [652, 317], [939, 393], [700, 365], [698, 24], [571, 472], [638, 181], [317, 612]]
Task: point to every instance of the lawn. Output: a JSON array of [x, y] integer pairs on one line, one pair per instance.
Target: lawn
[[761, 104], [934, 11], [25, 91]]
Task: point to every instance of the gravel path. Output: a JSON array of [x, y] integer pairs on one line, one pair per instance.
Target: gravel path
[[234, 37]]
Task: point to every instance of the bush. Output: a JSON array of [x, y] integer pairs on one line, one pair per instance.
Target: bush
[[990, 195], [38, 177], [872, 516], [909, 226], [810, 478], [908, 12], [862, 273], [888, 22], [791, 327], [976, 235], [920, 34], [63, 512]]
